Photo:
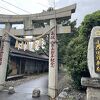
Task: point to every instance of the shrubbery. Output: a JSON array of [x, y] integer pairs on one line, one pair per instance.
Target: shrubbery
[[75, 59], [75, 56]]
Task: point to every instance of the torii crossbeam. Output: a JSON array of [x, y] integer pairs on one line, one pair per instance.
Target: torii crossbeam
[[29, 30]]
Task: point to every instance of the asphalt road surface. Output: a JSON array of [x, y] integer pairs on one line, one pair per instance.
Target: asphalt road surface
[[24, 91]]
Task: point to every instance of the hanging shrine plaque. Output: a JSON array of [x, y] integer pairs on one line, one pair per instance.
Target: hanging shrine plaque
[[97, 54]]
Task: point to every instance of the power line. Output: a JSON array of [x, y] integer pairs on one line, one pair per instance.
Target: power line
[[16, 6], [42, 4], [8, 10]]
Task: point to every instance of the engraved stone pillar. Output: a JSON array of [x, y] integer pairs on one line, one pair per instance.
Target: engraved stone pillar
[[53, 63], [5, 53]]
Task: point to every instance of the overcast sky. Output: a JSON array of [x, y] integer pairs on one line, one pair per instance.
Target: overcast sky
[[84, 7], [35, 6]]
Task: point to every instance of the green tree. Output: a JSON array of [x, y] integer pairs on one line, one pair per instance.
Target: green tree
[[89, 22], [76, 50], [64, 39]]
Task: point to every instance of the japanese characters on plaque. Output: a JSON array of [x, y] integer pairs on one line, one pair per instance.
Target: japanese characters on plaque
[[97, 54], [53, 41]]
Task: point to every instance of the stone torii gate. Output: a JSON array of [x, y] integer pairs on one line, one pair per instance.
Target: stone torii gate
[[29, 30]]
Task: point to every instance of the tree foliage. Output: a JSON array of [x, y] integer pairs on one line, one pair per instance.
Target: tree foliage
[[76, 50], [64, 39], [89, 22]]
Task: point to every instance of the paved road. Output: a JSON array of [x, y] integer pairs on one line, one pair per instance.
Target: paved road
[[24, 91], [40, 83]]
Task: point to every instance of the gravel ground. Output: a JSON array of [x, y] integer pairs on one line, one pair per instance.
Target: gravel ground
[[73, 94]]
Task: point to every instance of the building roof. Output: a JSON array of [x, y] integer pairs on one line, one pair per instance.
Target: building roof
[[27, 54]]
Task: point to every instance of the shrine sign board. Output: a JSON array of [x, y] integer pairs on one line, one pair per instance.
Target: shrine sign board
[[97, 54]]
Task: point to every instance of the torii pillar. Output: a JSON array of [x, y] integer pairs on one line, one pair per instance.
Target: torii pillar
[[53, 61], [4, 52]]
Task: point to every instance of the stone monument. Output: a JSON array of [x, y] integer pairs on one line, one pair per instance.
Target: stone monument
[[93, 57]]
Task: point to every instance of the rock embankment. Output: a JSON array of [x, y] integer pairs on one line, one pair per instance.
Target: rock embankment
[[67, 91]]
